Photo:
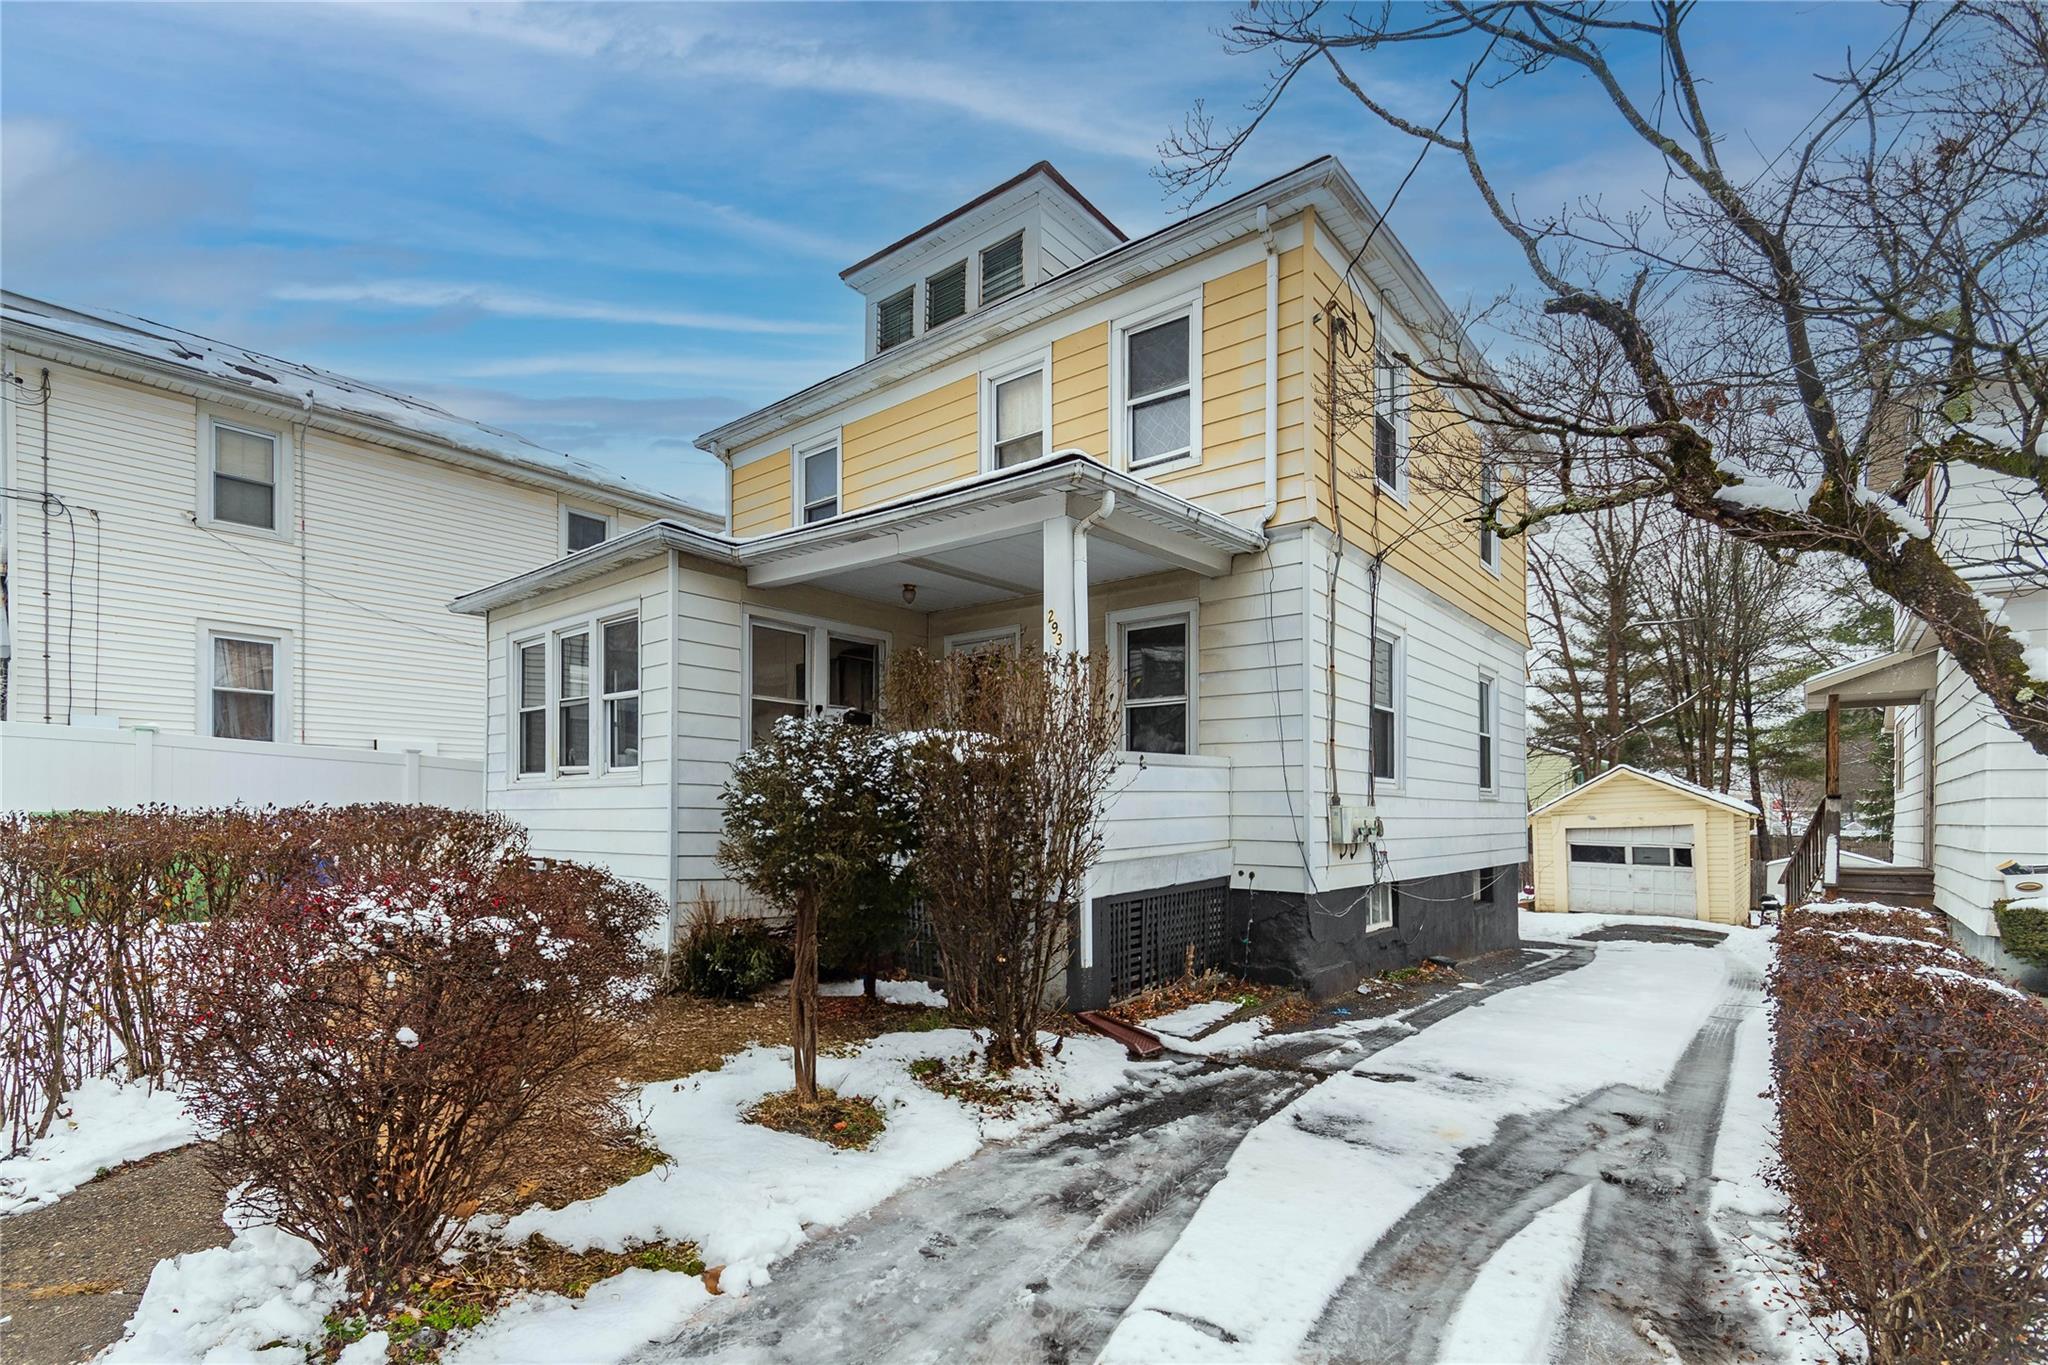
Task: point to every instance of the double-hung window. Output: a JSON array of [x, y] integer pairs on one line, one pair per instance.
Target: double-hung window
[[247, 470], [621, 676], [572, 705], [1389, 421], [818, 482], [1489, 490], [780, 655], [1486, 710], [1159, 392], [896, 319], [1002, 269], [945, 296], [1386, 729], [1158, 683], [242, 693], [576, 699], [1017, 416], [533, 709]]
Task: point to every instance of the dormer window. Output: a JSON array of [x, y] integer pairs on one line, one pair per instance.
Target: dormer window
[[1002, 269], [895, 319], [945, 296]]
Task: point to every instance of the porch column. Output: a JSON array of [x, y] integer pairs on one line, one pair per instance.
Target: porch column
[[1061, 631], [1834, 747]]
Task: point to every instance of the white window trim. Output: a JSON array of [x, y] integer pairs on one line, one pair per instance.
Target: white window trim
[[1115, 624], [1393, 782], [1188, 305], [1403, 388], [817, 632], [599, 772], [1379, 907], [1490, 716], [287, 470], [811, 446], [1039, 360], [610, 520], [281, 676], [1489, 546], [975, 639]]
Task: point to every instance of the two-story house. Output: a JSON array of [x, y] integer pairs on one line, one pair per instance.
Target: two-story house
[[1069, 438], [239, 558]]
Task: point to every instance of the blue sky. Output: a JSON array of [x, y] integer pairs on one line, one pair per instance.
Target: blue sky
[[611, 228]]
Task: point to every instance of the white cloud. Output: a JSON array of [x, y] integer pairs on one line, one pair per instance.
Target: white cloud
[[745, 374], [515, 303]]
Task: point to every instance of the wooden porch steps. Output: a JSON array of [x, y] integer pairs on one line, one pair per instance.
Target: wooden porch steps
[[1889, 885]]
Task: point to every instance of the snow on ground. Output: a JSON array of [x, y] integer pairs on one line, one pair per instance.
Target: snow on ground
[[1188, 1022], [891, 992], [1312, 1189], [1515, 1308], [616, 1318], [748, 1195], [107, 1122], [225, 1303], [1747, 1215]]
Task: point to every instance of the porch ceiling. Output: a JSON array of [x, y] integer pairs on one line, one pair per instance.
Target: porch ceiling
[[1901, 679], [982, 542]]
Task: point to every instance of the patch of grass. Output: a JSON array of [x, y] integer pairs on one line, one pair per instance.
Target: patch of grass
[[988, 1090], [345, 1330], [850, 1123]]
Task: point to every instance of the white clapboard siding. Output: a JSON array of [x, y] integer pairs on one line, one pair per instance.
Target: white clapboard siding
[[1437, 819], [389, 540], [617, 820], [1163, 807]]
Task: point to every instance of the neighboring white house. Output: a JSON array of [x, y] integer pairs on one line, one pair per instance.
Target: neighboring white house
[[1970, 795], [1066, 438], [249, 561]]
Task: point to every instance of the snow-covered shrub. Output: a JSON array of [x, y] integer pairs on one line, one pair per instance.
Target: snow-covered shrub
[[725, 959], [1913, 1098], [1015, 756], [89, 898], [365, 1044], [812, 812], [2023, 928]]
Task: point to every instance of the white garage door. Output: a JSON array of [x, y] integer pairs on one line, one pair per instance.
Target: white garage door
[[1646, 871]]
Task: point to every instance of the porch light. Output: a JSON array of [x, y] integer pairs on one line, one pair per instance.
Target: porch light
[[909, 593]]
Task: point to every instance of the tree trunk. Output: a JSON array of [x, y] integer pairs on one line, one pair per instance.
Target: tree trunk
[[803, 1001]]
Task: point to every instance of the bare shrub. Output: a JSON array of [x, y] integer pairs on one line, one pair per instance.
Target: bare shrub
[[1913, 1093], [1015, 756], [88, 899], [364, 1045]]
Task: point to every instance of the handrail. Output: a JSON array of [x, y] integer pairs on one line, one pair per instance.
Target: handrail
[[1814, 867]]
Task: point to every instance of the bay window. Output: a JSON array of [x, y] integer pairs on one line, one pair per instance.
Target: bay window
[[575, 700]]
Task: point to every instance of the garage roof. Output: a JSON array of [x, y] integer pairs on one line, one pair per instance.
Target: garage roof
[[1675, 783]]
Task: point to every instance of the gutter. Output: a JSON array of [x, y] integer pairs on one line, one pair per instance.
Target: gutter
[[642, 543]]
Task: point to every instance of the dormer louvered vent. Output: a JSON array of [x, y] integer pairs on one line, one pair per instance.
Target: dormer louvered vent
[[1018, 235], [1002, 269]]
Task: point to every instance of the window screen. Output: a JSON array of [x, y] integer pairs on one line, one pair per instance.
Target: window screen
[[1002, 269], [586, 530], [945, 296], [244, 477]]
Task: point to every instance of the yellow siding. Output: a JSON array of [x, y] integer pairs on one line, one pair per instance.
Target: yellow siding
[[1624, 801], [1433, 537], [930, 440], [1230, 477], [1080, 391], [761, 496]]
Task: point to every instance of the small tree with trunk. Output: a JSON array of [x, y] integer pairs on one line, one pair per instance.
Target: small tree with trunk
[[1015, 756], [813, 812]]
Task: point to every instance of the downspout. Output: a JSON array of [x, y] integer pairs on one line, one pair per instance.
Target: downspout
[[301, 651], [1078, 609], [1272, 506], [675, 836]]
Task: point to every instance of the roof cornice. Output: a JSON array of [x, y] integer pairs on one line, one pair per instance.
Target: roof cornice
[[1322, 184]]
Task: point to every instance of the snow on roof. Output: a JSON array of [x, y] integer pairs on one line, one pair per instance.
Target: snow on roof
[[1690, 788], [289, 382]]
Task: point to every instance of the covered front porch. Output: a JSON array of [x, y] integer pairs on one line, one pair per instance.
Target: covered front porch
[[1817, 870], [1065, 555]]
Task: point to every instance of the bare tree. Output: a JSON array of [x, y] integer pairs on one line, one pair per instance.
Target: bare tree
[[1786, 354]]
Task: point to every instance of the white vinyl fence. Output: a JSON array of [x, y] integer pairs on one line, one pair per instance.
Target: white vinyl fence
[[67, 767]]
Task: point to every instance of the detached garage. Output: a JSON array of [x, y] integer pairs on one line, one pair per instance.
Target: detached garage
[[1634, 843]]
